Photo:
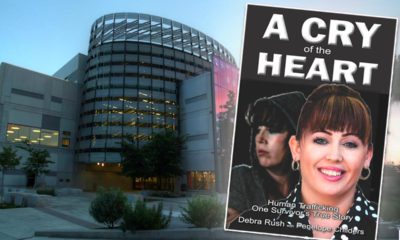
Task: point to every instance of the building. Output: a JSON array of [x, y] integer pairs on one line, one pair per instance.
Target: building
[[142, 74], [42, 110]]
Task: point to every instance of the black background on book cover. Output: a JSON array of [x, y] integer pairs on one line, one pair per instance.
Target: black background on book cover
[[253, 86], [381, 51]]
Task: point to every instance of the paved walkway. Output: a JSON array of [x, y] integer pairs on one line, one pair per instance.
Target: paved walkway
[[69, 213]]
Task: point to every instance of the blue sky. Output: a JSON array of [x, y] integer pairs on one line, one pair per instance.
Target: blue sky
[[42, 35]]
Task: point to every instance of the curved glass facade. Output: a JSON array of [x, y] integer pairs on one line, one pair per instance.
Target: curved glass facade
[[131, 88]]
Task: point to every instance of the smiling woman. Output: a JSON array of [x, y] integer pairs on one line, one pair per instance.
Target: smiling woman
[[332, 146]]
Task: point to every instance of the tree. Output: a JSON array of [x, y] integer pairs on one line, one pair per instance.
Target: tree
[[160, 157], [8, 160], [225, 125], [164, 152], [134, 163], [37, 162]]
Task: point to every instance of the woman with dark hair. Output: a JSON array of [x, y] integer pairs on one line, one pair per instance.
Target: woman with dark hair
[[272, 121], [332, 147]]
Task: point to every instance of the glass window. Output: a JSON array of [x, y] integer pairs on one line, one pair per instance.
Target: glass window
[[118, 58], [104, 69], [129, 118], [118, 47], [105, 58], [157, 50], [131, 69], [144, 81], [201, 180], [115, 117], [180, 65], [132, 47], [116, 92], [158, 107], [144, 48], [158, 72], [91, 83], [157, 60], [103, 81], [158, 95], [84, 144], [144, 70], [117, 80], [170, 85], [115, 105], [113, 157], [170, 96], [129, 130], [131, 81], [102, 93], [113, 143], [115, 131], [89, 95], [100, 118], [33, 135], [85, 131], [101, 105], [131, 92], [144, 59], [49, 138], [86, 118], [169, 74], [65, 142], [99, 143], [158, 83], [99, 130], [144, 94], [118, 68]]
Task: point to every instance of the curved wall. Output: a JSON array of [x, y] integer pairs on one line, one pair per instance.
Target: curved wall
[[131, 87]]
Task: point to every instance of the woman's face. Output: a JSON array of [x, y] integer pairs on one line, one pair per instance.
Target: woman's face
[[330, 162], [271, 147]]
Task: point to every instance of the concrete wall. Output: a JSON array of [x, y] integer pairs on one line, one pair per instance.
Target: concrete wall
[[74, 69], [196, 122]]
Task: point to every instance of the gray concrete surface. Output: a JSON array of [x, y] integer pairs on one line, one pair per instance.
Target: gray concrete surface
[[67, 217]]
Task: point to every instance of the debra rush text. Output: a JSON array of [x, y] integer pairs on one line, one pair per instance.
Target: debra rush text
[[339, 32], [286, 208], [279, 223]]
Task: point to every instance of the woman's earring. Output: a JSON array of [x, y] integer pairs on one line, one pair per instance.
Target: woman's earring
[[296, 165], [367, 176]]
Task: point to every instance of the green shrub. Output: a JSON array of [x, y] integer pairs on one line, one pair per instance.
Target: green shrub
[[46, 191], [203, 211], [144, 218], [109, 206]]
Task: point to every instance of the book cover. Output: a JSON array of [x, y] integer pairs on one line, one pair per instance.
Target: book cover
[[311, 123]]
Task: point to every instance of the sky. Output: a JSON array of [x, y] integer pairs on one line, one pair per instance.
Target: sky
[[42, 35]]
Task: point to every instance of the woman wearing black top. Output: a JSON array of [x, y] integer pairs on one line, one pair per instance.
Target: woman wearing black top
[[272, 120]]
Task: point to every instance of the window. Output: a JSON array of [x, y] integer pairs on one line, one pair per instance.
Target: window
[[66, 139], [27, 93], [32, 135], [56, 99], [65, 142], [201, 180]]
